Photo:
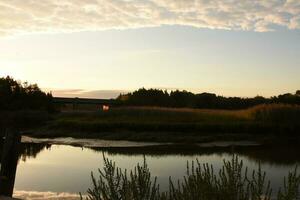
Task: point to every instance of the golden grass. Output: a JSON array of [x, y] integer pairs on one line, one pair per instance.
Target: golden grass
[[178, 124]]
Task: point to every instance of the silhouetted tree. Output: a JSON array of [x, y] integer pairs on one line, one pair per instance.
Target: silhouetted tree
[[155, 97], [144, 97], [17, 96], [182, 99], [206, 100]]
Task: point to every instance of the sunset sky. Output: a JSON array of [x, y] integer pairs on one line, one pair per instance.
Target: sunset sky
[[99, 48]]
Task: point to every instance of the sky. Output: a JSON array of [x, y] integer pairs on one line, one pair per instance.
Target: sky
[[101, 48]]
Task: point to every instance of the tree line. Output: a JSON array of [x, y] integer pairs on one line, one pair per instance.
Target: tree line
[[181, 99], [16, 96]]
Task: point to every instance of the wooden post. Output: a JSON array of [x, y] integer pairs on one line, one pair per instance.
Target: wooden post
[[75, 103], [9, 160], [2, 132]]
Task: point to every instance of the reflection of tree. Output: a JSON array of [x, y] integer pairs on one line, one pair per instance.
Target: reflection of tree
[[29, 150], [274, 155], [269, 154]]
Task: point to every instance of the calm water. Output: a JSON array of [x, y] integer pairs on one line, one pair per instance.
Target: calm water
[[52, 171]]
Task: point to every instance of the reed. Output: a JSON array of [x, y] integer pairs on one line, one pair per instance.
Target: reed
[[177, 125], [201, 182]]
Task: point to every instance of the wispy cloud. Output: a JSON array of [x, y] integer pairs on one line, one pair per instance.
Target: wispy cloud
[[102, 94], [19, 16], [35, 195]]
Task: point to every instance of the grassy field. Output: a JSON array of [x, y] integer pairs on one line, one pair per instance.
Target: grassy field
[[176, 125]]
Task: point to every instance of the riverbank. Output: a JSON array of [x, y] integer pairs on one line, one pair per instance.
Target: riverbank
[[8, 198], [153, 124], [97, 143]]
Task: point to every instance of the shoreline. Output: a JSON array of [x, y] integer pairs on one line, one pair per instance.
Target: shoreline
[[99, 143]]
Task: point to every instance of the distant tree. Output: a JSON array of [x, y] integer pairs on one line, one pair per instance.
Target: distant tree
[[144, 97], [156, 97], [287, 98], [182, 99], [17, 96], [206, 100]]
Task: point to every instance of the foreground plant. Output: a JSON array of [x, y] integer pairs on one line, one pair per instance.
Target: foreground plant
[[232, 182], [115, 184]]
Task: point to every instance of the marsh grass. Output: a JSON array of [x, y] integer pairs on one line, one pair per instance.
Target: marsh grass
[[276, 113], [155, 114], [201, 182], [177, 124]]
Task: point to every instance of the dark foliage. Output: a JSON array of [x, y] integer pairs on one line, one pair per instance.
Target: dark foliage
[[23, 105], [17, 96], [141, 97], [201, 182], [178, 99]]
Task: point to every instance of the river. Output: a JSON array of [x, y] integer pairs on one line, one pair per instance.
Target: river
[[59, 171]]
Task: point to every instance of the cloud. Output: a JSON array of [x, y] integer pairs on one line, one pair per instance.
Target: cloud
[[30, 16], [35, 195], [101, 94]]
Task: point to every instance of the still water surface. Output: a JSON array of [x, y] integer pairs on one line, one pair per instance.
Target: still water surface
[[53, 171]]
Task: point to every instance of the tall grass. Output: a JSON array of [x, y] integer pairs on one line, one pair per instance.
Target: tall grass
[[176, 125], [154, 114], [276, 113], [262, 113], [201, 182]]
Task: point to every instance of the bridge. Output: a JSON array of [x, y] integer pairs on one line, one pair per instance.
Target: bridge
[[66, 100], [83, 103]]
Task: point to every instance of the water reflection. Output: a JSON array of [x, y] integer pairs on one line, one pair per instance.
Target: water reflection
[[65, 170], [29, 150], [265, 154]]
